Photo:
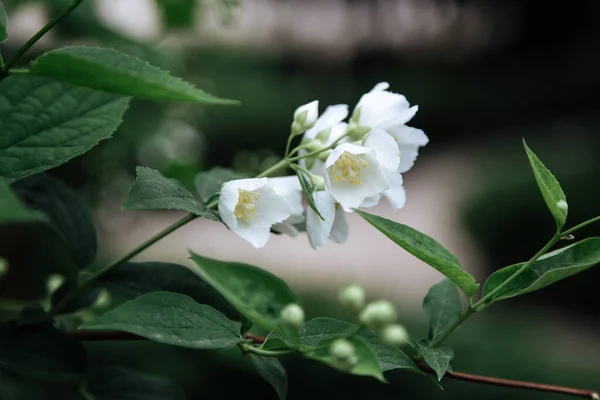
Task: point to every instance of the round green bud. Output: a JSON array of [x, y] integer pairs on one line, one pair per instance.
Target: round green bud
[[343, 354], [317, 181], [394, 335], [353, 297], [292, 315], [53, 283], [103, 300], [378, 314]]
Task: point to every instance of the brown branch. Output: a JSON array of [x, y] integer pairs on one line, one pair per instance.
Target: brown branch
[[488, 380]]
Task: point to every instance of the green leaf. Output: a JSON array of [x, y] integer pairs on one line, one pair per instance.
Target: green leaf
[[67, 213], [40, 352], [45, 123], [425, 249], [550, 268], [255, 293], [118, 383], [273, 372], [3, 23], [131, 280], [550, 188], [113, 71], [171, 318], [438, 358], [208, 183], [152, 191], [13, 210], [443, 306], [178, 13], [307, 190]]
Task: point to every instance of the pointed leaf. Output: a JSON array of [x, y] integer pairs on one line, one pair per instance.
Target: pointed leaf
[[208, 183], [438, 358], [550, 268], [171, 318], [152, 191], [425, 249], [273, 372], [3, 23], [255, 293], [113, 71], [443, 306], [45, 123], [550, 188], [307, 190]]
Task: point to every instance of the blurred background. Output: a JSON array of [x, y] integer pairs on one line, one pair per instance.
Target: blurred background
[[485, 74]]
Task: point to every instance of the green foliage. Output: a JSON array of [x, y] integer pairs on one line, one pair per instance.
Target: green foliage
[[273, 372], [171, 318], [438, 358], [550, 188], [257, 294], [425, 249], [75, 120], [112, 71], [307, 190], [3, 23], [443, 306], [152, 191], [178, 13], [208, 183], [13, 210], [550, 268]]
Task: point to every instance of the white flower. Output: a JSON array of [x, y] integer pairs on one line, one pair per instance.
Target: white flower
[[289, 188], [409, 140], [381, 108], [249, 207], [306, 116], [333, 115], [333, 227], [353, 174], [315, 164]]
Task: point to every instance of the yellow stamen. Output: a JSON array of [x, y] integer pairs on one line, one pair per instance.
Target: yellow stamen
[[348, 168], [246, 206]]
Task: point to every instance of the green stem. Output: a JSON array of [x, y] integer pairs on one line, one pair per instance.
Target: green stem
[[297, 149], [582, 225], [40, 34], [316, 152], [280, 165], [265, 353], [18, 71], [288, 144], [440, 339]]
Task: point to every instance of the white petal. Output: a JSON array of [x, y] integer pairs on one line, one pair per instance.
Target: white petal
[[289, 188], [345, 147], [406, 115], [270, 208], [396, 196], [381, 86], [336, 132], [381, 108], [285, 228], [385, 149], [317, 229], [371, 201], [229, 195], [409, 140], [312, 112], [256, 235], [339, 230], [330, 117]]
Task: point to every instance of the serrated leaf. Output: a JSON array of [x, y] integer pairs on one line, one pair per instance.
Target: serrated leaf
[[208, 183], [550, 188], [131, 280], [13, 210], [45, 123], [273, 372], [3, 23], [66, 212], [255, 293], [173, 319], [438, 358], [153, 191], [550, 268], [307, 190], [118, 383], [443, 306], [113, 71], [425, 249]]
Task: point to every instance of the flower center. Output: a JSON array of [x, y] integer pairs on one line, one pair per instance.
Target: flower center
[[348, 167], [245, 208]]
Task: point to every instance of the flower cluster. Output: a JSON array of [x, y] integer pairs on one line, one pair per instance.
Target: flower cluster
[[349, 164]]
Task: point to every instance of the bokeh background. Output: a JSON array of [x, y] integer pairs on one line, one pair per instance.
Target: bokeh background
[[485, 74]]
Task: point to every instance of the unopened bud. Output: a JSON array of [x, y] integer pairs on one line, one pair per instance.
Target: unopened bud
[[54, 281], [307, 115], [343, 354], [292, 315], [563, 206], [353, 297], [378, 314], [318, 182], [394, 335], [103, 300], [323, 136]]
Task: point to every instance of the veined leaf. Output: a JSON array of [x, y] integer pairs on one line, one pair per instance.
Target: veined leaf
[[113, 71], [273, 372], [438, 358], [208, 183], [443, 306], [425, 249]]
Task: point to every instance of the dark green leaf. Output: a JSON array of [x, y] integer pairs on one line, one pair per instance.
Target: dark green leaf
[[549, 268], [171, 318], [40, 352], [152, 191], [131, 280], [3, 23], [13, 210], [273, 372], [45, 123], [112, 71], [208, 183], [255, 293], [67, 213], [438, 358], [33, 314], [425, 249], [307, 190], [443, 306], [178, 13], [549, 186], [117, 383], [14, 386]]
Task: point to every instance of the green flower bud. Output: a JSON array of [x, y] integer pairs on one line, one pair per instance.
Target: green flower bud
[[378, 314], [394, 335], [292, 315], [318, 182], [103, 300], [323, 136], [343, 354], [353, 297]]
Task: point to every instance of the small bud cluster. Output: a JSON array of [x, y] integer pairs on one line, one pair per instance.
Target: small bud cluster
[[292, 316]]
